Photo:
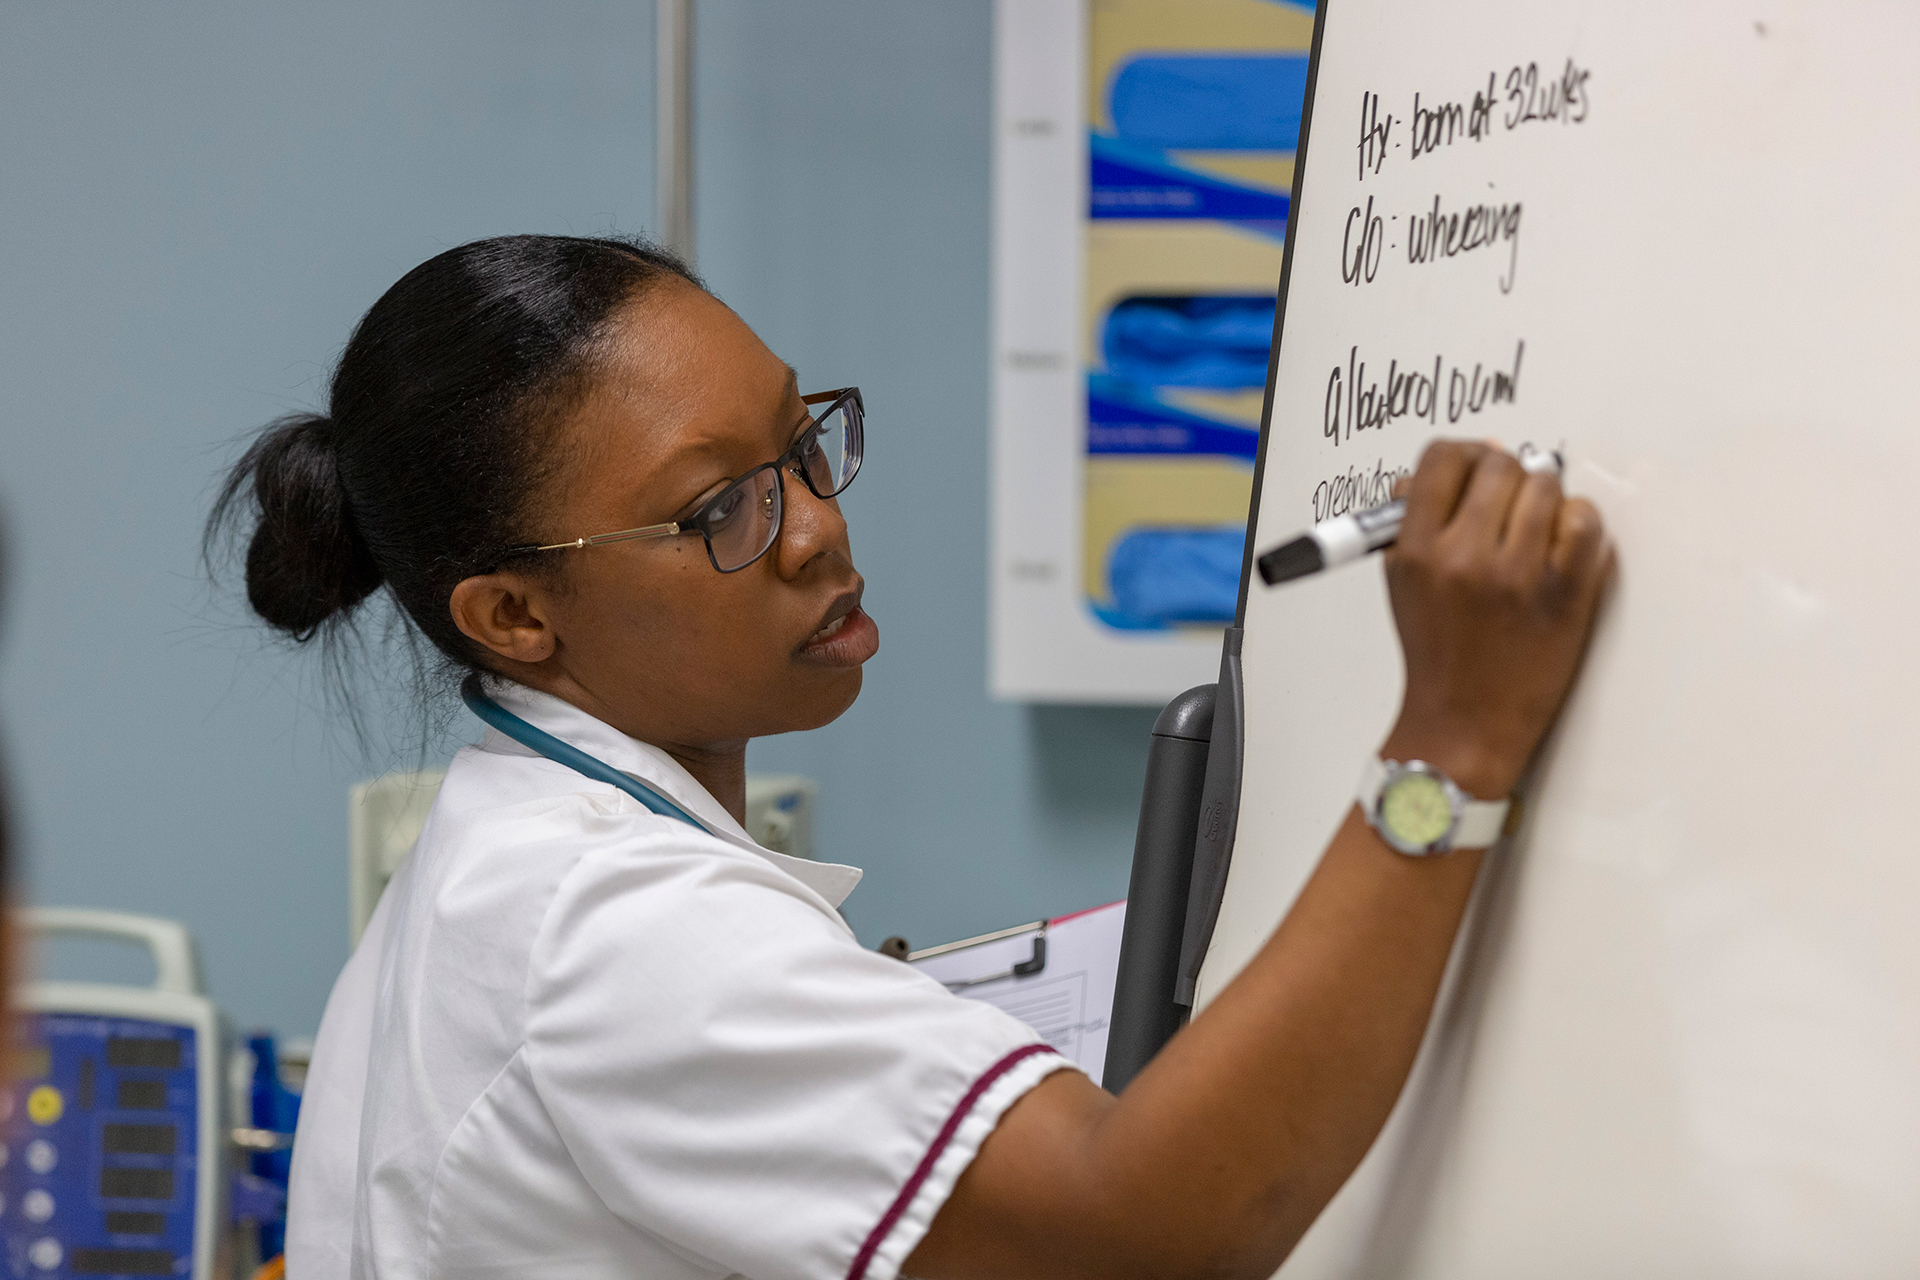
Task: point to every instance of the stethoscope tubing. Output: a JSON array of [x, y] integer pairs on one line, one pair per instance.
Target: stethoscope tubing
[[539, 740]]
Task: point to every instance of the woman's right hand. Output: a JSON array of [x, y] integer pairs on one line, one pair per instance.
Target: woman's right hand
[[1495, 580]]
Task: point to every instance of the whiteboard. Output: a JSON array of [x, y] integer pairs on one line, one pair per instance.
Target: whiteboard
[[1681, 1032]]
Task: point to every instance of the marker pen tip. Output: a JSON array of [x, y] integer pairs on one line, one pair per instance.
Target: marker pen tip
[[1290, 560]]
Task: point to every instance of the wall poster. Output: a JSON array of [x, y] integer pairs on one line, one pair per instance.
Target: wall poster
[[1143, 161]]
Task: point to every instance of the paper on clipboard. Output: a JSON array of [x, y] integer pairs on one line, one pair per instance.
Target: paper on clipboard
[[1057, 976]]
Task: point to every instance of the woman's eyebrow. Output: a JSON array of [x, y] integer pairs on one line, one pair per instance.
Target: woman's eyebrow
[[707, 449]]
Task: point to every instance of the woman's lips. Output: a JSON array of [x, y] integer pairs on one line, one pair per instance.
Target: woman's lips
[[847, 641]]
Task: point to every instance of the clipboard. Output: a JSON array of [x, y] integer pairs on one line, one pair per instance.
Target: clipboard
[[1057, 976]]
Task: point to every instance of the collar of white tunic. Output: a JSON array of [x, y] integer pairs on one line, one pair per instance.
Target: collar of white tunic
[[656, 769]]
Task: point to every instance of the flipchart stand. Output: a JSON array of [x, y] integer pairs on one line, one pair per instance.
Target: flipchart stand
[[1188, 806]]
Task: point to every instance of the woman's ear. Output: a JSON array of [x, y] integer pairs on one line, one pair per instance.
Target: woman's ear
[[505, 614]]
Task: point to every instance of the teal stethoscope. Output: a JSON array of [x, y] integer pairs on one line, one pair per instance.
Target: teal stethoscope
[[539, 740]]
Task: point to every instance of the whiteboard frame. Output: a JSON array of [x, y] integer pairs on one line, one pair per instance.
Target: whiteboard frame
[[1220, 799]]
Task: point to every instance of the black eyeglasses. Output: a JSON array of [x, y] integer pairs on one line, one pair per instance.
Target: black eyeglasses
[[743, 520]]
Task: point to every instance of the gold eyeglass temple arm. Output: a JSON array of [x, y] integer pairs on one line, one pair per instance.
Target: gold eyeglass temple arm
[[624, 535]]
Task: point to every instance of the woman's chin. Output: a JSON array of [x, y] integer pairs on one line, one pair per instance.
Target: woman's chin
[[827, 696]]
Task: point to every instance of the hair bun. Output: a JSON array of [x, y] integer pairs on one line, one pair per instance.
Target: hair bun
[[306, 562]]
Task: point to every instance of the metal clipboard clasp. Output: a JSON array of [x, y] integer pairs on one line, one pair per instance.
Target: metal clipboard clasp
[[1023, 969]]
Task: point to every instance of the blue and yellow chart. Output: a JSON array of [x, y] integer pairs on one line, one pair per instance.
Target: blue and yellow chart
[[1193, 117]]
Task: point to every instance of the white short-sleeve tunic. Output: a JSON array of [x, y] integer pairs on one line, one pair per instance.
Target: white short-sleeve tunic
[[582, 1040]]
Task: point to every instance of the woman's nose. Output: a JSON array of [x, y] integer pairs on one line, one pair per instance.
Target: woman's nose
[[810, 525]]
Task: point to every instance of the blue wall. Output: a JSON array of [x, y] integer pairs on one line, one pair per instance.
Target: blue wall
[[200, 199]]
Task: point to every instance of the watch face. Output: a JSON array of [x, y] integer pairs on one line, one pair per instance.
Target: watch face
[[1415, 808]]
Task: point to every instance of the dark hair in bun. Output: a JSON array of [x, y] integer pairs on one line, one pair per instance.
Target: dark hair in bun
[[306, 562], [435, 445]]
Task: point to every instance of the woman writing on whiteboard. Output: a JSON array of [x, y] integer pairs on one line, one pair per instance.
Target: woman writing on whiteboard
[[593, 1030]]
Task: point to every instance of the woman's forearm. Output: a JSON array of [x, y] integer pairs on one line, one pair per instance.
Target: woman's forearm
[[1222, 1152], [1254, 1115]]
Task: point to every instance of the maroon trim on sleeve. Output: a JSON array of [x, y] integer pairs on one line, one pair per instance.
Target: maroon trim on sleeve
[[960, 1112]]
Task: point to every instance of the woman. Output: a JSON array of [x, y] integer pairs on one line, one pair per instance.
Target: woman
[[593, 1030]]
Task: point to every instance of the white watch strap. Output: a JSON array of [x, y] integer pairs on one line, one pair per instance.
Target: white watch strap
[[1372, 777], [1481, 821]]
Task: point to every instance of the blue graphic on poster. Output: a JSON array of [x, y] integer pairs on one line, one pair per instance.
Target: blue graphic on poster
[[1193, 118]]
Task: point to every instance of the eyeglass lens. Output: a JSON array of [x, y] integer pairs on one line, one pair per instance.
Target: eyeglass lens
[[835, 453], [745, 519]]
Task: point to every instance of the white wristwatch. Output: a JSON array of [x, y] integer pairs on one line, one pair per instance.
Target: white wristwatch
[[1420, 811]]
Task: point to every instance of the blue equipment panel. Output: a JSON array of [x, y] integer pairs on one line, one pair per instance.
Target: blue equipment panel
[[99, 1168]]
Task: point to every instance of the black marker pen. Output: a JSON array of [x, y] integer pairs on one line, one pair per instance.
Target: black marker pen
[[1346, 538]]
